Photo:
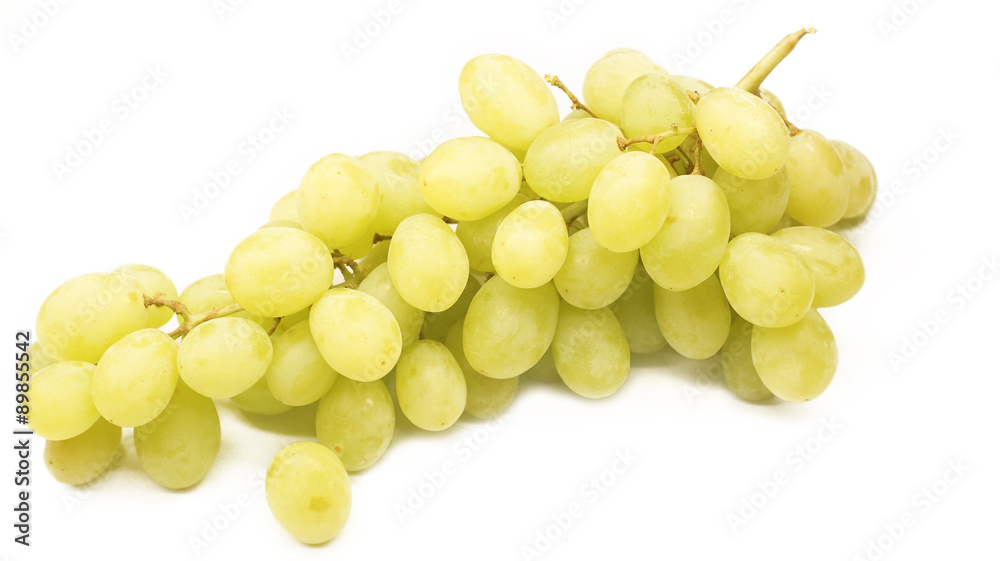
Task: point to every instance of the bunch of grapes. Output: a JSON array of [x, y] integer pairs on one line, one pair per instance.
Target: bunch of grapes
[[660, 211]]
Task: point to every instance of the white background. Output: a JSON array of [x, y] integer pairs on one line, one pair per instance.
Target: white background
[[699, 451]]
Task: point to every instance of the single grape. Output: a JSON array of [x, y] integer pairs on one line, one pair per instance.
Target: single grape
[[737, 363], [436, 325], [477, 235], [61, 403], [796, 362], [545, 369], [259, 400], [654, 104], [485, 397], [361, 247], [590, 351], [136, 377], [289, 322], [356, 420], [85, 457], [287, 207], [692, 84], [224, 357], [861, 179], [427, 263], [356, 334], [298, 374], [636, 313], [308, 492], [430, 385], [469, 178], [397, 176], [338, 200], [819, 188], [576, 114], [741, 132], [530, 244], [607, 79], [755, 205], [39, 358], [153, 282], [772, 100], [378, 255], [379, 284], [766, 281], [563, 162], [593, 277], [629, 201], [695, 322], [835, 264], [281, 224]]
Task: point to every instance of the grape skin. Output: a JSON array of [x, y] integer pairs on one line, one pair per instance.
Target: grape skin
[[563, 162], [766, 281], [356, 334], [590, 351], [61, 402], [695, 322], [427, 263], [308, 492], [224, 357], [861, 179], [430, 385], [835, 264], [153, 281], [356, 421], [85, 457], [737, 363], [338, 200], [378, 283], [136, 377], [530, 245], [653, 104], [796, 362], [593, 277], [636, 312], [485, 397], [606, 80], [629, 201], [298, 374], [743, 134], [469, 178], [818, 184]]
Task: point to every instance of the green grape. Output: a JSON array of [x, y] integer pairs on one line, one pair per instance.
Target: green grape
[[796, 362], [178, 448], [288, 322], [506, 99], [259, 400], [469, 178], [755, 205], [39, 358], [436, 326], [153, 281], [477, 235], [737, 363], [224, 357], [308, 492], [379, 254], [785, 222], [526, 192], [689, 246], [210, 293], [410, 319], [356, 420], [741, 132], [287, 207], [135, 378], [818, 185], [590, 351], [575, 114], [399, 189], [61, 402], [338, 200], [87, 314], [835, 264], [507, 329], [485, 398], [427, 263], [773, 101], [85, 457], [593, 277], [607, 79], [695, 322], [361, 247], [766, 281], [356, 334], [281, 224], [530, 244], [653, 104], [692, 84], [545, 369], [564, 161], [629, 201], [636, 313], [430, 385], [861, 179], [278, 271], [298, 374]]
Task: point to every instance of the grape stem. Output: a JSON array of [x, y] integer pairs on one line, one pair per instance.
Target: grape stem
[[198, 319], [753, 79], [654, 139], [697, 156], [352, 271], [555, 81], [274, 326], [380, 238], [694, 96], [574, 211], [792, 129], [161, 299]]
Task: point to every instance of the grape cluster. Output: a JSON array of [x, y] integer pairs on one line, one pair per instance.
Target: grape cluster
[[553, 248]]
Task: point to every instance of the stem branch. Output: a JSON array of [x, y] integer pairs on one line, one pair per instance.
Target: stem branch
[[555, 81], [196, 320], [753, 79]]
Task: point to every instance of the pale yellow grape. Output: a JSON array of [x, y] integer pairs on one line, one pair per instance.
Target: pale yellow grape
[[593, 277], [654, 104], [576, 114], [61, 403], [276, 272], [506, 99], [485, 397], [436, 325], [606, 80], [85, 457], [338, 200], [507, 329], [629, 202], [39, 358], [281, 224], [636, 313], [692, 84], [477, 235], [695, 322], [563, 162], [785, 222], [308, 492], [259, 400], [430, 385], [689, 246], [153, 282], [87, 314], [298, 374], [835, 264], [224, 357], [379, 284], [210, 293], [135, 378], [361, 247], [526, 192], [743, 134], [379, 254], [469, 178], [530, 244], [766, 281], [177, 449], [861, 179], [544, 370], [288, 322], [819, 187], [737, 363], [590, 351], [427, 263], [286, 208], [397, 176], [773, 101], [755, 205], [356, 420], [796, 362], [356, 334]]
